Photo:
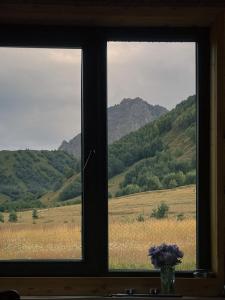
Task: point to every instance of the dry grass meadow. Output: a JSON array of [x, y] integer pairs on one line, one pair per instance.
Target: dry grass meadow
[[56, 234]]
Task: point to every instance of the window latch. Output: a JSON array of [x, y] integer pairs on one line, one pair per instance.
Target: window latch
[[90, 155]]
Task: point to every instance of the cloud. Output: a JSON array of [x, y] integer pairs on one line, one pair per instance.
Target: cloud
[[161, 73], [40, 100]]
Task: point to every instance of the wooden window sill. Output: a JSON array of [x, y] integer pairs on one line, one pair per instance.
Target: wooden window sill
[[107, 298]]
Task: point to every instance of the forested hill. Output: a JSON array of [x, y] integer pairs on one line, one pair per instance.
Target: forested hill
[[155, 137], [26, 175], [162, 154]]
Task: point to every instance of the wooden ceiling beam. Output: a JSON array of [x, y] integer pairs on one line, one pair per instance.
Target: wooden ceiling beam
[[30, 12]]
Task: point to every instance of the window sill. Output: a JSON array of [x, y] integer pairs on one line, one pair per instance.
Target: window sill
[[115, 298]]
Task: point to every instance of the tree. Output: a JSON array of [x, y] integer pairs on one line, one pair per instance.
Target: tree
[[161, 211], [130, 189], [35, 214], [153, 183], [191, 177], [13, 216]]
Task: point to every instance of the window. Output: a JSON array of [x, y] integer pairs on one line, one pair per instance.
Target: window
[[151, 151], [94, 170], [40, 107]]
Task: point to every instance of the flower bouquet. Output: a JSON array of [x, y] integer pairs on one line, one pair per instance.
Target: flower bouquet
[[166, 257]]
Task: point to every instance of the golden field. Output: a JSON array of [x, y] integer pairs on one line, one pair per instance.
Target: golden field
[[57, 231]]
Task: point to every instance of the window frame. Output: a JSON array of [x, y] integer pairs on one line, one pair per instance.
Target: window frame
[[201, 37], [93, 42]]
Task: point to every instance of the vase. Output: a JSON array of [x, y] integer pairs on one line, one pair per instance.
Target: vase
[[167, 276]]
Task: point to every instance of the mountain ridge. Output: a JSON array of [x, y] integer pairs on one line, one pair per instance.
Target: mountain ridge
[[127, 116], [159, 155]]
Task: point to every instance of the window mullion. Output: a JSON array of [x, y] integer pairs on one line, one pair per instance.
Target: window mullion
[[203, 153], [95, 231]]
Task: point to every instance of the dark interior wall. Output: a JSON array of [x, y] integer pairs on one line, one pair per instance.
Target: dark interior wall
[[125, 13], [111, 12]]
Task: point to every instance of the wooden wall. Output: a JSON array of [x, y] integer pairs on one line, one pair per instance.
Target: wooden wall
[[111, 12], [141, 13]]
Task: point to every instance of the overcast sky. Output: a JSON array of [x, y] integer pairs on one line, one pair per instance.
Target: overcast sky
[[40, 98]]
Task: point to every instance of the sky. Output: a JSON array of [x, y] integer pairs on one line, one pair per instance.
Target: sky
[[40, 100]]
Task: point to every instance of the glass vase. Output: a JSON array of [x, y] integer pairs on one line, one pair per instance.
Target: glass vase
[[167, 276]]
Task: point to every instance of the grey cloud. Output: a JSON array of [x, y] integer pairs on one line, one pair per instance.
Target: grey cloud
[[161, 73], [40, 98]]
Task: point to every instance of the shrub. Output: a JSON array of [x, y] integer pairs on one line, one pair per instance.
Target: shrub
[[130, 189], [140, 218], [1, 217], [191, 177], [35, 214], [118, 193], [153, 183], [180, 178], [172, 184], [161, 211], [180, 217], [173, 180], [12, 217]]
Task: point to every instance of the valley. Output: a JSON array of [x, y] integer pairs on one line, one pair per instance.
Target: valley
[[151, 190], [56, 233]]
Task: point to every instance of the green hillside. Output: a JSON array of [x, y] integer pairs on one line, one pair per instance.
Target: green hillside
[[26, 175], [171, 132], [160, 155]]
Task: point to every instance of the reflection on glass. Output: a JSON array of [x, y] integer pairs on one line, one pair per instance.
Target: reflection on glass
[[40, 186], [152, 151]]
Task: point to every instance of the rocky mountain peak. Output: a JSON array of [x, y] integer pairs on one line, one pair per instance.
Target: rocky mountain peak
[[123, 118]]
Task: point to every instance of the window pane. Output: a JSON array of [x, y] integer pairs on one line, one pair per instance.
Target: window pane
[[152, 151], [40, 185]]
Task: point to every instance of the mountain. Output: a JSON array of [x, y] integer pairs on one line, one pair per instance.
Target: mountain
[[159, 155], [123, 118]]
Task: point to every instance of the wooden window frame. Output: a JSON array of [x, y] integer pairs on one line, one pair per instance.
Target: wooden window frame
[[22, 36]]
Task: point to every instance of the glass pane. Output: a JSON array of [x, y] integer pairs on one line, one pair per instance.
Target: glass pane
[[152, 151], [40, 185]]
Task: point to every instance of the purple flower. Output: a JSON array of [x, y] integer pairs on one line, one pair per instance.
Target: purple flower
[[165, 255]]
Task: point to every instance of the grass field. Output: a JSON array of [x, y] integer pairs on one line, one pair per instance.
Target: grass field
[[57, 231]]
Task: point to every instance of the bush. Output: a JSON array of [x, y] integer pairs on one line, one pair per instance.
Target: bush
[[172, 184], [128, 189], [153, 183], [180, 217], [140, 218], [1, 217], [191, 177], [173, 180], [35, 214], [13, 217], [161, 211]]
